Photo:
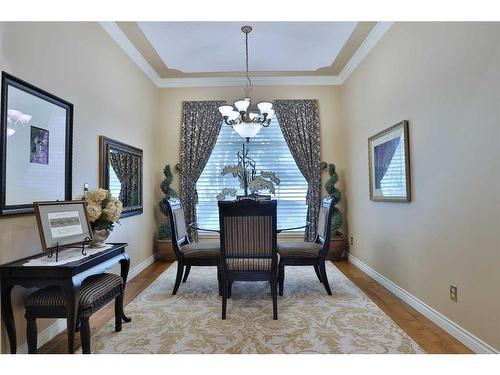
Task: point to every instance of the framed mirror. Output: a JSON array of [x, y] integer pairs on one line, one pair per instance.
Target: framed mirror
[[120, 172], [36, 146]]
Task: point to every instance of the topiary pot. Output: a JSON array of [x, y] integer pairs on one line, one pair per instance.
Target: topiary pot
[[337, 247], [165, 251]]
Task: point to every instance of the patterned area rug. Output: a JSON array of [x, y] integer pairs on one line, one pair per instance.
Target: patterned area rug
[[310, 321]]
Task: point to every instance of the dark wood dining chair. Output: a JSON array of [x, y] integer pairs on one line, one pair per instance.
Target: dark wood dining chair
[[248, 246], [299, 253], [189, 254]]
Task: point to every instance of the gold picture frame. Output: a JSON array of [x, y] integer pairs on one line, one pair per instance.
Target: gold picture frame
[[389, 164]]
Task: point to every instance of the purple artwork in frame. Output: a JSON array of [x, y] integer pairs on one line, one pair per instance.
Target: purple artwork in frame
[[39, 145], [389, 164]]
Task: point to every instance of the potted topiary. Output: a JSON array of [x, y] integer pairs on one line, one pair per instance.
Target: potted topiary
[[164, 243], [338, 242]]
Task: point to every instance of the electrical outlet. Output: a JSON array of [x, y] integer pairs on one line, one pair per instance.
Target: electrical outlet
[[352, 241], [453, 293], [85, 187]]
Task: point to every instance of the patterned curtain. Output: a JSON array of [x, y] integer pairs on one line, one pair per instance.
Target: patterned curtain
[[201, 122], [299, 122], [126, 167]]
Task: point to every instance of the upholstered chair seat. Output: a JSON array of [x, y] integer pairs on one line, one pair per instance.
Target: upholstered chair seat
[[96, 292], [299, 249], [201, 250]]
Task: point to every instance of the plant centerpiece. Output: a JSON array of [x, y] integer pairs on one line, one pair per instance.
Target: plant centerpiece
[[265, 180], [165, 231], [338, 242], [103, 211]]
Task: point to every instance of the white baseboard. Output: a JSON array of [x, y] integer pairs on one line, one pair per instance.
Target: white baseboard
[[60, 325], [461, 334]]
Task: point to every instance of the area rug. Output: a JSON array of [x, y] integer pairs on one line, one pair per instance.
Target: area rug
[[310, 321]]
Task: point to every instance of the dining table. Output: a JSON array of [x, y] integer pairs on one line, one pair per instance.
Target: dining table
[[217, 230]]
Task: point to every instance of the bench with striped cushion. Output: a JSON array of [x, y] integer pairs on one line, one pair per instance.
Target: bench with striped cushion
[[96, 292]]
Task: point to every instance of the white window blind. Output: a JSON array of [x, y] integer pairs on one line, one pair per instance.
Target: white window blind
[[271, 153]]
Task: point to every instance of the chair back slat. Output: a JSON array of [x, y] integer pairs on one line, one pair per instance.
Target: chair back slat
[[322, 221], [325, 224], [178, 225]]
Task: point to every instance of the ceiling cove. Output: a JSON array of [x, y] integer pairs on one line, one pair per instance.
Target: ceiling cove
[[295, 62]]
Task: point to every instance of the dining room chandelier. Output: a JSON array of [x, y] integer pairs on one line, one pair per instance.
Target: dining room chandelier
[[240, 117]]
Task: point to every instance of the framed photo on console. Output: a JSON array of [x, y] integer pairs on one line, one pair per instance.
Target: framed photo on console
[[36, 142], [62, 223], [389, 164]]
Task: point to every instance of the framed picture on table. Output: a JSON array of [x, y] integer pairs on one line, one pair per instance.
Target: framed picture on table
[[62, 223], [36, 146], [389, 164]]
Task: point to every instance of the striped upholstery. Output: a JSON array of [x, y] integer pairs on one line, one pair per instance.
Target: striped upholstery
[[179, 223], [96, 291], [234, 264], [322, 221], [201, 250], [247, 238], [298, 249]]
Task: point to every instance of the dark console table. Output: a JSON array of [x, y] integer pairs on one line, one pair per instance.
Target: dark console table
[[68, 276]]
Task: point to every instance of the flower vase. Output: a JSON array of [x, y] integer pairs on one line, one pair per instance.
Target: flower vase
[[100, 236]]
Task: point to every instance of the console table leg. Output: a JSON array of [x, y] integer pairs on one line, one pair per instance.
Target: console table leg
[[72, 294], [8, 316], [124, 267]]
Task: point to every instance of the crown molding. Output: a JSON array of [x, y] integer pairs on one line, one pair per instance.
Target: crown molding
[[371, 40], [119, 37], [256, 81], [364, 49]]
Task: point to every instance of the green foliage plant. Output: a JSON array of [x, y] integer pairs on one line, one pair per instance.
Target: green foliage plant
[[336, 195], [165, 230]]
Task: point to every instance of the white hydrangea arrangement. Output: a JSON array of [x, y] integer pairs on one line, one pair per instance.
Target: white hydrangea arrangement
[[103, 209]]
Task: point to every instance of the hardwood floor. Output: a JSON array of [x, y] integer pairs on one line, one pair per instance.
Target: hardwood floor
[[427, 334]]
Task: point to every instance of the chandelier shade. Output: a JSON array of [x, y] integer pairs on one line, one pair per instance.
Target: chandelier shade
[[247, 130]]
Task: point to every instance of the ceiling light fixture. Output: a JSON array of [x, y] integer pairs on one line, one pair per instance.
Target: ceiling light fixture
[[247, 124]]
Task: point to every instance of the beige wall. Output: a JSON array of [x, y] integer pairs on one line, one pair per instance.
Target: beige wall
[[82, 64], [168, 140], [444, 79]]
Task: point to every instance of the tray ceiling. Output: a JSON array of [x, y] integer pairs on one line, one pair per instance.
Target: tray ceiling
[[214, 47], [202, 54]]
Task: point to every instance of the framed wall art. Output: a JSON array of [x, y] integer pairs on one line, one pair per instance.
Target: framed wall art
[[62, 223], [36, 139], [389, 164], [120, 172]]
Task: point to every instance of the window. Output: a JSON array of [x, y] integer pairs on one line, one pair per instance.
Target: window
[[270, 152]]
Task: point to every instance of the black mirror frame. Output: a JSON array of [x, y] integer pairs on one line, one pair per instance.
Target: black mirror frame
[[105, 144]]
